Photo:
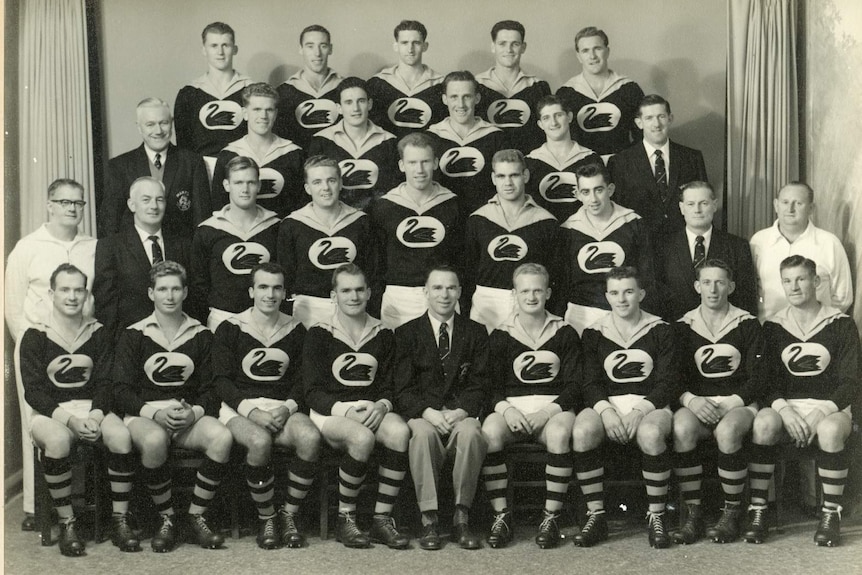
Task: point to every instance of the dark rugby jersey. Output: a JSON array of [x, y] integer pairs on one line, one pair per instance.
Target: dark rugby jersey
[[223, 257], [550, 365], [207, 119], [303, 111], [553, 184], [513, 110], [281, 175], [248, 364], [336, 369], [400, 109]]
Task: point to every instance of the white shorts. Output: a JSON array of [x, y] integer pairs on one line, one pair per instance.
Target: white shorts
[[581, 317], [530, 403], [217, 316], [491, 306], [311, 310], [401, 304], [804, 406], [319, 419], [79, 408], [625, 403], [226, 412], [752, 407]]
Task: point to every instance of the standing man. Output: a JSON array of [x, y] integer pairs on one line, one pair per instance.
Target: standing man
[[228, 245], [308, 101], [182, 171], [28, 300], [684, 250], [553, 166], [257, 369], [417, 226], [812, 356], [604, 103], [466, 143], [442, 377], [649, 175], [793, 233], [407, 95], [124, 260], [280, 160], [366, 153], [507, 231], [208, 110], [508, 95]]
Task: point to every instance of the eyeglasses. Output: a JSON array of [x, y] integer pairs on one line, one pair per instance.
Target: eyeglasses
[[66, 204]]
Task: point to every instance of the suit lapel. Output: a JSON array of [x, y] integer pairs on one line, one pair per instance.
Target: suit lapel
[[142, 164], [684, 256], [718, 246], [645, 168], [673, 173], [171, 168], [134, 245]]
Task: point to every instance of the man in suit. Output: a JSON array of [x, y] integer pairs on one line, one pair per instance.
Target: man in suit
[[699, 241], [183, 173], [124, 260], [648, 174], [442, 381]]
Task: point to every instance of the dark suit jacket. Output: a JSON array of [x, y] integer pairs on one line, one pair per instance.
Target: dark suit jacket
[[418, 374], [186, 185], [635, 185], [123, 276], [677, 272]]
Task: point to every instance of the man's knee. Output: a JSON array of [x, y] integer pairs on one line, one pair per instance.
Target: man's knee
[[586, 436], [558, 436], [730, 433], [652, 438], [831, 435], [767, 427]]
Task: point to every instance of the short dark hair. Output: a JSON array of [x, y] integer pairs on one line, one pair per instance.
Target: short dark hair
[[320, 161], [65, 268], [508, 25], [460, 76], [238, 163], [695, 185], [509, 156], [267, 268], [593, 169], [168, 268], [714, 263], [588, 32], [551, 100], [623, 273], [314, 28], [441, 268], [652, 100], [260, 89], [218, 28], [60, 182], [797, 261], [352, 82], [808, 188], [417, 140], [411, 25], [350, 269]]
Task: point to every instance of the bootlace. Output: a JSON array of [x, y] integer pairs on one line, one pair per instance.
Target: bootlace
[[269, 527], [499, 523], [758, 517], [350, 524], [828, 517], [656, 523], [548, 520], [167, 524], [728, 515], [387, 523], [289, 520], [592, 519], [202, 524]]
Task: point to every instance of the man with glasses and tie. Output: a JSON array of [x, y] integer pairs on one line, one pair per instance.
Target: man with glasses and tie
[[28, 302], [687, 248], [123, 260], [183, 172], [649, 174]]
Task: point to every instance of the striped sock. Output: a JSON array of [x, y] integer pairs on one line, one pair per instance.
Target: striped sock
[[390, 476], [496, 477]]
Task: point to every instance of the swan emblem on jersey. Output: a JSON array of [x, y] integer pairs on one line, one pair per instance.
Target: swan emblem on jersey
[[329, 253], [717, 360], [169, 368], [358, 174], [806, 359], [409, 113], [462, 162], [221, 115], [536, 366], [271, 184], [559, 187], [70, 370], [355, 369], [599, 117], [265, 364], [420, 232], [507, 248], [508, 113], [240, 257], [316, 114], [600, 257], [628, 366]]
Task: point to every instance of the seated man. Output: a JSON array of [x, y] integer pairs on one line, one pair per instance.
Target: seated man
[[629, 380], [812, 362], [257, 368], [347, 364], [535, 378], [66, 371], [718, 348], [162, 373], [316, 239], [441, 374]]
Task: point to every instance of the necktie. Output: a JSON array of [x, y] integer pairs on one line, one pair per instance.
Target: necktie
[[158, 162], [699, 251], [661, 175], [158, 256], [443, 341]]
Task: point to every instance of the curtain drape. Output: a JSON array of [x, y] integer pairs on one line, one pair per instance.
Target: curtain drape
[[762, 109], [55, 118]]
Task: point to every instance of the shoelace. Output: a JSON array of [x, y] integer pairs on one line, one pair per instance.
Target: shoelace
[[546, 522], [499, 523], [388, 523], [350, 524], [758, 517], [656, 522], [166, 525], [289, 521], [727, 516], [592, 518], [269, 527], [202, 524], [829, 516]]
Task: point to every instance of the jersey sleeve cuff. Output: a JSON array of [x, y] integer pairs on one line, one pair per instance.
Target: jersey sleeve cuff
[[148, 411], [644, 406], [779, 404], [199, 411], [61, 415], [602, 406], [552, 409], [387, 403], [502, 406], [686, 398], [734, 400], [340, 408], [245, 407], [291, 406], [828, 407], [97, 415]]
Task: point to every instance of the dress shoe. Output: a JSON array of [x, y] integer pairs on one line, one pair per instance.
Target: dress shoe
[[383, 530], [594, 530], [548, 536], [290, 535], [202, 534], [430, 540], [348, 533], [71, 544], [726, 530], [658, 537], [123, 536], [29, 523], [166, 536], [501, 530], [693, 528], [462, 535], [267, 533]]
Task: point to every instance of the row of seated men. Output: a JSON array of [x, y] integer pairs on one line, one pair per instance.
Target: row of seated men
[[430, 390]]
